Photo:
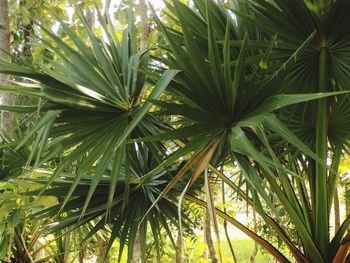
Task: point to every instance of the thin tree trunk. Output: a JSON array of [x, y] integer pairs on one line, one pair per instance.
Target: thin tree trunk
[[143, 46], [255, 252], [144, 37], [208, 238], [336, 211], [4, 32], [179, 249], [6, 99], [136, 257], [225, 225]]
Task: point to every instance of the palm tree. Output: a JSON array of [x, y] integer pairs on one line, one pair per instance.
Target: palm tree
[[322, 125], [93, 106], [231, 97], [262, 86]]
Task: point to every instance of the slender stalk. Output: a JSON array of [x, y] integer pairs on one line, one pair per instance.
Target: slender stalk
[[336, 211], [294, 250], [333, 176], [212, 215], [136, 257], [312, 178], [26, 249], [225, 225], [178, 249], [66, 246], [208, 237], [347, 202], [321, 198], [303, 194], [262, 242], [255, 252]]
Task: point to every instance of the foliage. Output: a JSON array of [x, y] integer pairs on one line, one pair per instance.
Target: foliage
[[260, 87]]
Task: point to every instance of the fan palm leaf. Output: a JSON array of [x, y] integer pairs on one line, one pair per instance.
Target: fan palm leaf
[[316, 123], [226, 94], [133, 197], [92, 101]]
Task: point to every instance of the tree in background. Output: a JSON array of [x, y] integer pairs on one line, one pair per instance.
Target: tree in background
[[4, 55]]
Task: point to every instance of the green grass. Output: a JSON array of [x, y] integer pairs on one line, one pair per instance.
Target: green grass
[[195, 251], [244, 249]]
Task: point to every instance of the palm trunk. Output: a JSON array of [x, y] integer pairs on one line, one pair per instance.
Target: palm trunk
[[255, 252], [6, 99], [178, 249], [321, 209], [208, 238], [137, 254]]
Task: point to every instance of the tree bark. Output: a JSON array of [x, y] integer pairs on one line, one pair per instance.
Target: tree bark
[[208, 238], [6, 99], [144, 37], [136, 256], [178, 249], [4, 31], [143, 46], [255, 252]]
